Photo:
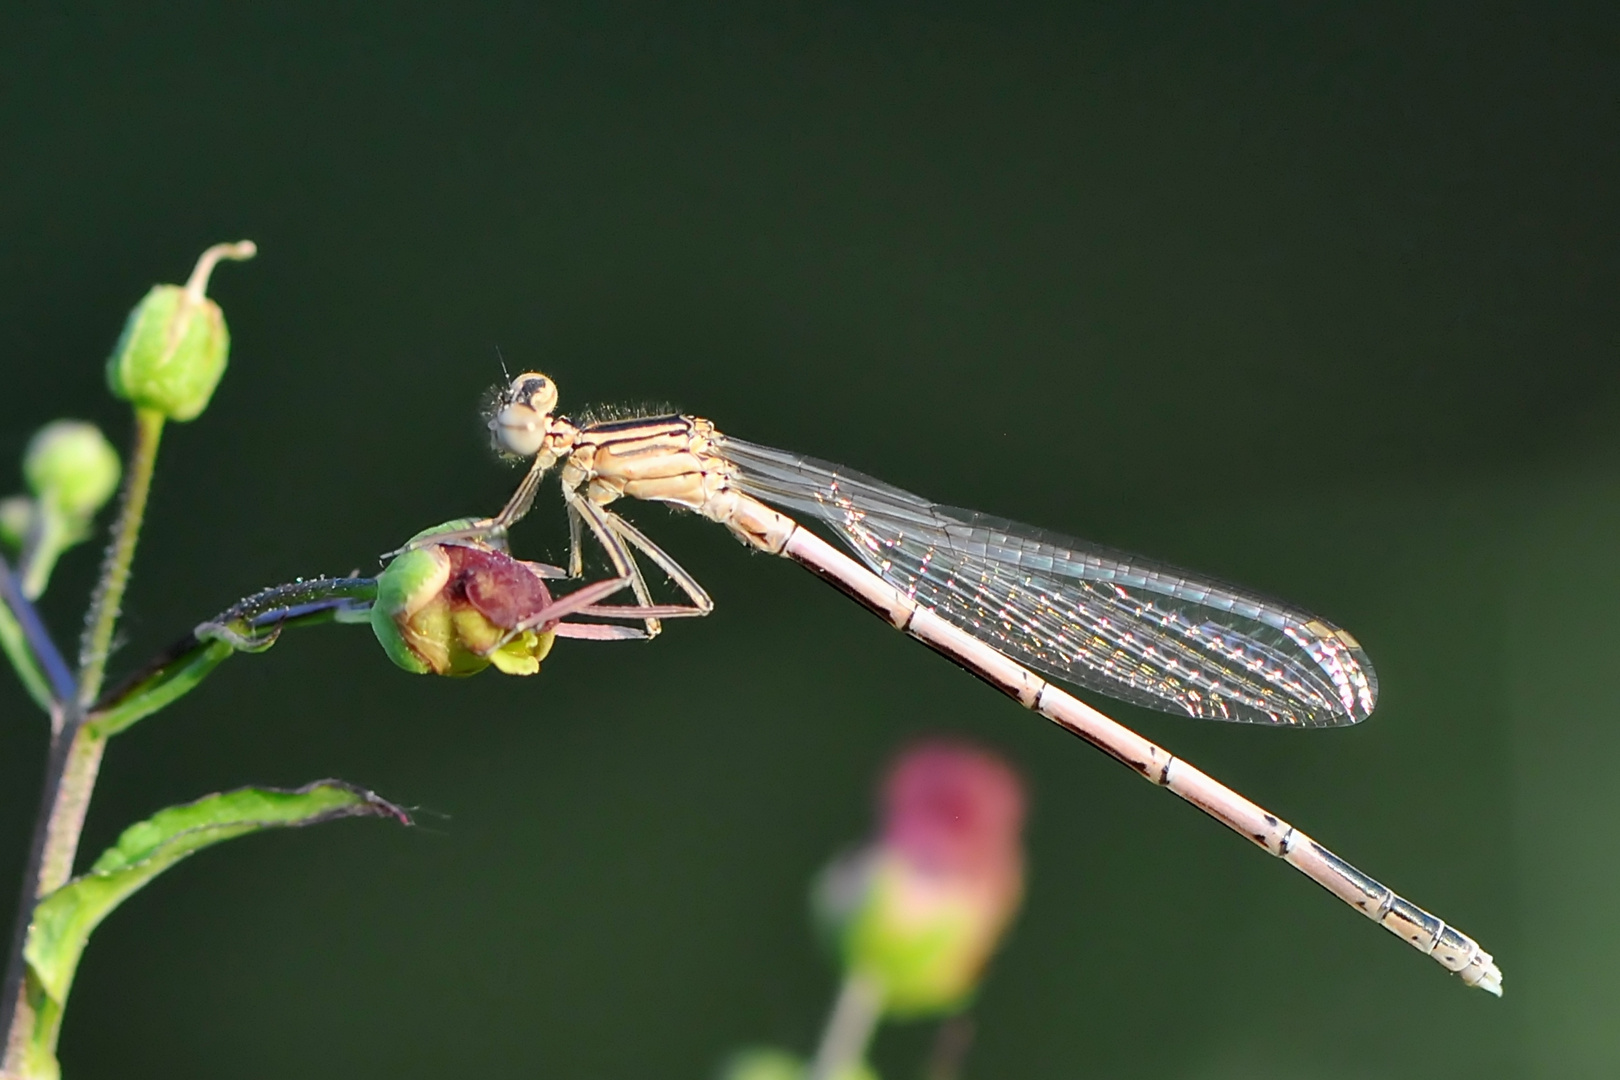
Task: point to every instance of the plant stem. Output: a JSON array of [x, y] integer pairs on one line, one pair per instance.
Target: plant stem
[[951, 1043], [14, 643], [109, 597], [15, 597], [75, 755], [29, 645], [849, 1031]]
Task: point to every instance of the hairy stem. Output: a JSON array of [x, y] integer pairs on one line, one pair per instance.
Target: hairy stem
[[75, 756], [109, 597]]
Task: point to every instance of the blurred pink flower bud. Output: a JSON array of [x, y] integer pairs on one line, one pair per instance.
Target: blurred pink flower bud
[[921, 911]]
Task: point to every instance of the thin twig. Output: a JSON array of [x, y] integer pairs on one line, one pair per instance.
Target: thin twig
[[849, 1030], [951, 1044]]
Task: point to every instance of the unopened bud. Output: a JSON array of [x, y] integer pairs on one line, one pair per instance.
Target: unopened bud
[[173, 350], [443, 610], [72, 468], [16, 521], [920, 911]]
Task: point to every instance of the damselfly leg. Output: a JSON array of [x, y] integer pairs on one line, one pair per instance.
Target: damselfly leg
[[617, 538]]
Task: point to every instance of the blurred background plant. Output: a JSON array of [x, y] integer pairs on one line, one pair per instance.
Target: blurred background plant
[[913, 916]]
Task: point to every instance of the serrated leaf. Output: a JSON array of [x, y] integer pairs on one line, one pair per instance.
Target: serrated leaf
[[63, 921]]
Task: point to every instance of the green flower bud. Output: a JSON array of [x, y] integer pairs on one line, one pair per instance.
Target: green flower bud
[[16, 521], [767, 1063], [443, 609], [172, 352], [72, 468], [407, 585], [763, 1064]]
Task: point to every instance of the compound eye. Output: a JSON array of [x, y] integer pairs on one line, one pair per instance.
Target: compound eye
[[518, 430], [534, 390]]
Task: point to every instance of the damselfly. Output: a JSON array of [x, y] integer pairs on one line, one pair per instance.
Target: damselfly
[[1002, 600]]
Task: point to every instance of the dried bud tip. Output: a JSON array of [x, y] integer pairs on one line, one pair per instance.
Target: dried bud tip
[[197, 284]]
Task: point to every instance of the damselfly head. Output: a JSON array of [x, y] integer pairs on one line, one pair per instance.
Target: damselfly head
[[520, 416]]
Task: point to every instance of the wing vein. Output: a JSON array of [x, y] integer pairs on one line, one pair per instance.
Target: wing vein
[[1119, 624]]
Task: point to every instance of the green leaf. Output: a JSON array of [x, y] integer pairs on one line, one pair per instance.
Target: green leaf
[[63, 921], [167, 684], [252, 625]]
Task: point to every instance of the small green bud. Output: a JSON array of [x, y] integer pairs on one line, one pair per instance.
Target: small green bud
[[172, 352], [72, 468], [443, 609], [768, 1063], [16, 521], [761, 1063]]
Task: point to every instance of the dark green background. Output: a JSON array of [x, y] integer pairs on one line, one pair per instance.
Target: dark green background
[[1321, 301]]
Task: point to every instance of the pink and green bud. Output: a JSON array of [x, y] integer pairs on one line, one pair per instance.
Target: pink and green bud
[[174, 347], [920, 911], [451, 609], [71, 468]]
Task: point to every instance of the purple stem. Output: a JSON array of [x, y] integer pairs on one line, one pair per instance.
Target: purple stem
[[39, 638]]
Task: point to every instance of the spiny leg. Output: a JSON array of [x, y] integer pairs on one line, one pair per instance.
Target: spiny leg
[[598, 632], [555, 614], [683, 579], [584, 601], [624, 563], [492, 530], [627, 536], [576, 548], [573, 603]]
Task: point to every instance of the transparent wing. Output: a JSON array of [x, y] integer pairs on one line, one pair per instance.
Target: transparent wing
[[1111, 622]]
